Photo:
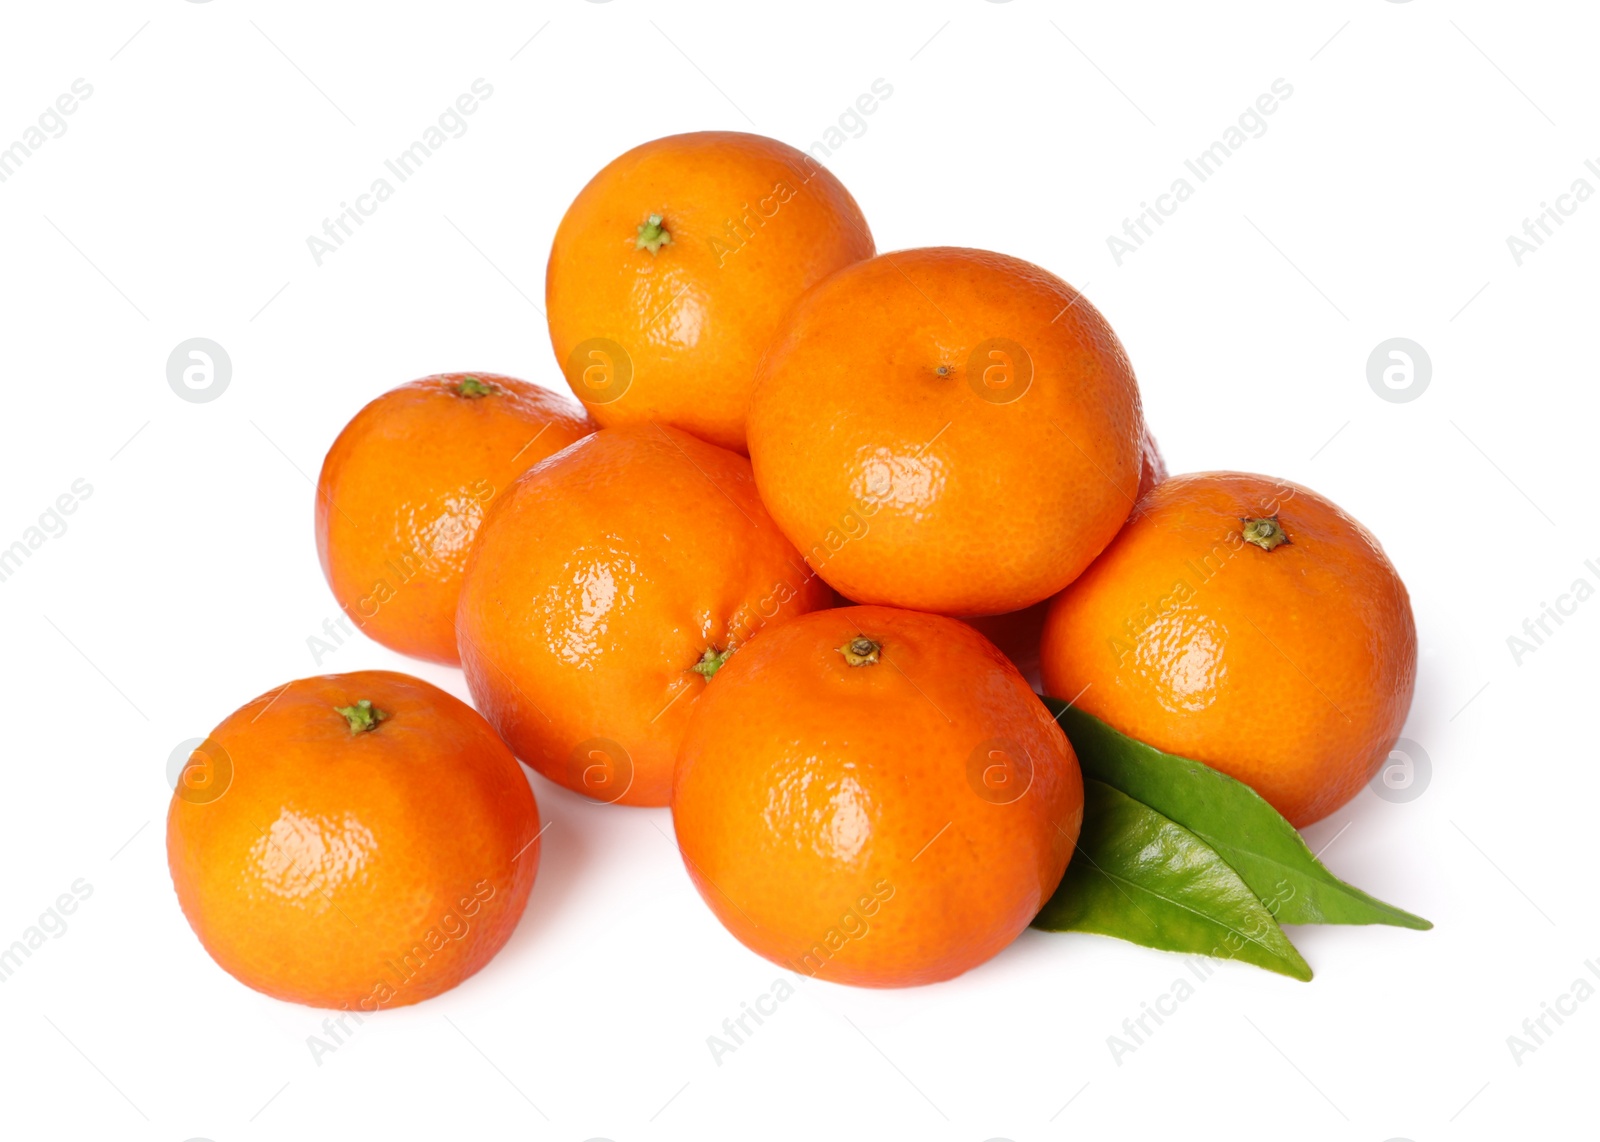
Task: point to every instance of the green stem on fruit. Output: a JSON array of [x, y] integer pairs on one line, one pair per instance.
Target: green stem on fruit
[[363, 716], [711, 662], [1266, 533], [472, 387], [652, 235], [861, 651]]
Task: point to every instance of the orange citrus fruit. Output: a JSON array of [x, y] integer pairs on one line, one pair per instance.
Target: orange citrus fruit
[[673, 267], [875, 797], [606, 587], [405, 486], [947, 430], [1247, 623], [353, 841]]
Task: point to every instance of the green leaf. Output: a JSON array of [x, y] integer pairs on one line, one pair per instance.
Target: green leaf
[[1143, 877], [1263, 848]]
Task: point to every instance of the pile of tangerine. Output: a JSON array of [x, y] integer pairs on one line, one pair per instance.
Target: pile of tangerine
[[786, 570]]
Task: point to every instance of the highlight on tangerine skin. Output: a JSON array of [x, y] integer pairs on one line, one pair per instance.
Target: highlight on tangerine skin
[[875, 797], [1248, 623], [354, 841]]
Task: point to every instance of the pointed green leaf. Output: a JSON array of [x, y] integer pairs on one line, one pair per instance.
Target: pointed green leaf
[[1142, 877], [1265, 850]]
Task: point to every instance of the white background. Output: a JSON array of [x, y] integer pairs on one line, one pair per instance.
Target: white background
[[1377, 204]]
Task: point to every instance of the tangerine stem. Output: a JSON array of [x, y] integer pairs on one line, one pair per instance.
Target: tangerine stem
[[652, 235], [1266, 533], [472, 387], [711, 662], [861, 651], [363, 716]]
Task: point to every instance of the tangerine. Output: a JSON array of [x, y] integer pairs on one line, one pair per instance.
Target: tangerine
[[1247, 623], [673, 267], [353, 841], [608, 585], [404, 489], [875, 797], [967, 421]]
